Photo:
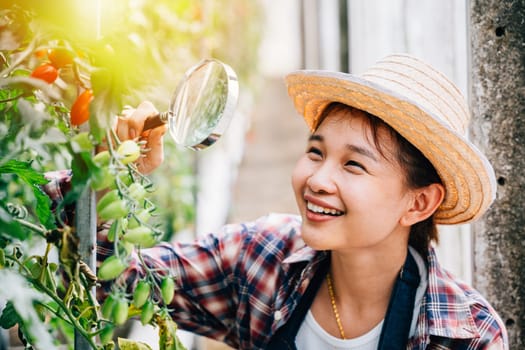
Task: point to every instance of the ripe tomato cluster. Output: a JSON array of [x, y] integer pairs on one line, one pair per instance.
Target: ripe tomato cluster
[[56, 59], [48, 71]]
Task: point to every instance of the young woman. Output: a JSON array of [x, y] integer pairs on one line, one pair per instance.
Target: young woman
[[387, 160]]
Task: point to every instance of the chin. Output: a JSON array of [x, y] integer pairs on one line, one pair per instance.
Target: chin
[[314, 240]]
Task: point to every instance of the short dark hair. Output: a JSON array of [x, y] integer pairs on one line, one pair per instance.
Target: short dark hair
[[418, 169]]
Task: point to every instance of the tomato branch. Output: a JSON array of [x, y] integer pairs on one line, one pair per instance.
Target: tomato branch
[[42, 231]]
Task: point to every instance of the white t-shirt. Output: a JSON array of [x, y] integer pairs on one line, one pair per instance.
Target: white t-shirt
[[311, 336]]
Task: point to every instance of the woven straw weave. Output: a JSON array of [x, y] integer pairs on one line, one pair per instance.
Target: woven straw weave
[[425, 108]]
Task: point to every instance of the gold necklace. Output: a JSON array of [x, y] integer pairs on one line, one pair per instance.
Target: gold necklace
[[334, 306]]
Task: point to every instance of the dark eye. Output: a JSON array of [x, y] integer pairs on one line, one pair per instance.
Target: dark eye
[[314, 152], [353, 163]]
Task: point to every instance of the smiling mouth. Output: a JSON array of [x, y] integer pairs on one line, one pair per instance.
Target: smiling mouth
[[321, 210]]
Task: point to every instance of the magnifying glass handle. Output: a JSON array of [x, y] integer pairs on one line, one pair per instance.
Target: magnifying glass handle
[[156, 121]]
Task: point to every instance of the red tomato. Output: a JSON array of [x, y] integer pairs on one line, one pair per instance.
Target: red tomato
[[45, 72], [41, 53], [80, 109], [60, 57]]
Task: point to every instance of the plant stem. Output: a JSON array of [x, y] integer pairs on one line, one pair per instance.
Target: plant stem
[[52, 294], [54, 312], [44, 264], [38, 229], [11, 98], [66, 310], [20, 58]]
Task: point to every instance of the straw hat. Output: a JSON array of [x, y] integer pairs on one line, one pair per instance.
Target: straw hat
[[424, 107]]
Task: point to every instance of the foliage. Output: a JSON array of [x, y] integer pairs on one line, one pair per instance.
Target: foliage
[[63, 81]]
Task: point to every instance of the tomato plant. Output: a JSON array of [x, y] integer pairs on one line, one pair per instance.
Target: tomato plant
[[60, 93], [40, 134]]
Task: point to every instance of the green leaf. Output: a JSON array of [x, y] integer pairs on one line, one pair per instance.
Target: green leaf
[[108, 93], [8, 226], [127, 344], [34, 179], [81, 164], [24, 170], [9, 317]]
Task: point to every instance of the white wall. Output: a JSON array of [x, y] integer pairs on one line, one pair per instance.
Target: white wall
[[436, 32], [280, 49]]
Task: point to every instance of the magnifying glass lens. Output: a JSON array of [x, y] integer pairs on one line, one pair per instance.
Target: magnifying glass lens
[[198, 105], [202, 106]]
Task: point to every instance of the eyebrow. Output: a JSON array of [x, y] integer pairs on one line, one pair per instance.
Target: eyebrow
[[357, 149]]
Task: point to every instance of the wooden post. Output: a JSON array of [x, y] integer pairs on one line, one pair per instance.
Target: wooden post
[[86, 228], [497, 86]]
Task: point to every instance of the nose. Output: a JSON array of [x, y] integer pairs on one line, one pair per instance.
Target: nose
[[322, 179]]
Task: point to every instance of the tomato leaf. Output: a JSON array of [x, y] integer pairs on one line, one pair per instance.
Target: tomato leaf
[[9, 317], [127, 344], [108, 93], [8, 226], [34, 179]]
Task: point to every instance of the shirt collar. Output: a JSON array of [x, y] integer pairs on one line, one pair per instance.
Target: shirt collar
[[448, 309], [303, 254]]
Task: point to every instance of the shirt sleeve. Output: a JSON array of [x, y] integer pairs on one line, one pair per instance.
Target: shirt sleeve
[[206, 296], [59, 184]]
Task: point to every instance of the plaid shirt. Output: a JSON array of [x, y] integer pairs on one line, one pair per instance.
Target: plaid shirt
[[241, 284]]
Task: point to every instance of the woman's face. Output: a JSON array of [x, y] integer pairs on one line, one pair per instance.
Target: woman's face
[[348, 194]]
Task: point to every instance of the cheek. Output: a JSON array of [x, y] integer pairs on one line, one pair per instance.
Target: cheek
[[299, 176]]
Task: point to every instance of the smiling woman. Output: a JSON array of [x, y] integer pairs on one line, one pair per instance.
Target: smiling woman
[[357, 269], [354, 165]]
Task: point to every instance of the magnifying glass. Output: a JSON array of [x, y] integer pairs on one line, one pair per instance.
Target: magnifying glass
[[202, 106]]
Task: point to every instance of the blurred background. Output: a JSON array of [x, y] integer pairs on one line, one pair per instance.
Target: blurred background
[[258, 155], [246, 174]]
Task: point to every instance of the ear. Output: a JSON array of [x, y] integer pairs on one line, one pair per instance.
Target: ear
[[425, 202]]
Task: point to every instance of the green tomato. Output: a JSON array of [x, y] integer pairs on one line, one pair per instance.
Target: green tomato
[[111, 268], [129, 151], [120, 312], [141, 216], [107, 306], [106, 334], [167, 289], [107, 198], [128, 247], [124, 177], [141, 293], [148, 309], [137, 191], [115, 210], [101, 179], [141, 236], [101, 159]]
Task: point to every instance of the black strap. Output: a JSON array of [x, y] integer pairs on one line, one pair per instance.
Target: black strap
[[284, 338], [398, 319]]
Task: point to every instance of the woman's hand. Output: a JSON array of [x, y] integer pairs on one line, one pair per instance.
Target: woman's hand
[[130, 125]]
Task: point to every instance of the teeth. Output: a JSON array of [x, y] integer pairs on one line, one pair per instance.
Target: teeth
[[321, 210]]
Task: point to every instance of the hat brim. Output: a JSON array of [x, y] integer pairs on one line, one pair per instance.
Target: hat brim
[[465, 172]]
